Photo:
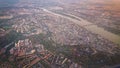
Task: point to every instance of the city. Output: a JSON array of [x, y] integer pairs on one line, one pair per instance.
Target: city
[[59, 34]]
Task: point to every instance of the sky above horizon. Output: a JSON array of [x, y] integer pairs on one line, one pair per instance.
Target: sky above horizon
[[113, 3], [7, 3]]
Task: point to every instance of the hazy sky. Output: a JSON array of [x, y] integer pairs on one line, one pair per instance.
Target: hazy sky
[[6, 3], [115, 3]]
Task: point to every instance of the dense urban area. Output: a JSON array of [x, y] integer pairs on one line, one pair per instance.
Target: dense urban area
[[59, 34]]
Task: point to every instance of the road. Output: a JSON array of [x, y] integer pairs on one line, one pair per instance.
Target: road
[[89, 26], [9, 45]]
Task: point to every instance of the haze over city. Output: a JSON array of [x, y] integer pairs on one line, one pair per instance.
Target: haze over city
[[59, 33]]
